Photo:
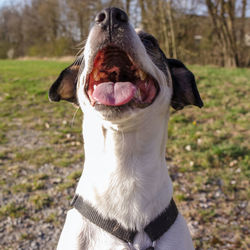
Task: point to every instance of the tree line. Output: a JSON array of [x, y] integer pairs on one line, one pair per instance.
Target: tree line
[[196, 31]]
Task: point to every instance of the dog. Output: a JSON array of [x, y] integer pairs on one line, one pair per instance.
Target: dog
[[125, 86]]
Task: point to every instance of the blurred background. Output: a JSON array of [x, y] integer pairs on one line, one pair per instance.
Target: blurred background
[[196, 31], [41, 145]]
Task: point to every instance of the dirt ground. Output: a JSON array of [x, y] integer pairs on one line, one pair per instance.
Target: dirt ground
[[41, 157]]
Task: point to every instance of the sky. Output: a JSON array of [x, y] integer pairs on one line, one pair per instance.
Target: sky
[[200, 9]]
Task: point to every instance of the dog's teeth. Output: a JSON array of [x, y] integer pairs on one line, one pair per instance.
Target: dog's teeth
[[130, 58], [102, 75], [96, 75], [142, 75], [95, 86], [138, 94]]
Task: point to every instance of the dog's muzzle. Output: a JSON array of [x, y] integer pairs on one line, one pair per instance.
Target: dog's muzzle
[[115, 78]]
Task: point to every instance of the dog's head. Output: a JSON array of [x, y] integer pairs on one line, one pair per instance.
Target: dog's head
[[122, 73]]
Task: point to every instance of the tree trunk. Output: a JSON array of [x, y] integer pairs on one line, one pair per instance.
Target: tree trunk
[[128, 7], [164, 27], [170, 18], [143, 14], [223, 18]]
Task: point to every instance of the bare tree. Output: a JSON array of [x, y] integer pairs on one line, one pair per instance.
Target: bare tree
[[157, 18], [55, 27], [171, 25], [11, 37], [127, 6], [223, 18], [242, 48]]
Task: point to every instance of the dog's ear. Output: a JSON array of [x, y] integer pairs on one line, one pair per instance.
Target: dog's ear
[[185, 91], [64, 88]]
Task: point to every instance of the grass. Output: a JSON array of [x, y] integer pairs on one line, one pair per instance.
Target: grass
[[217, 134], [40, 201], [211, 149], [41, 152], [35, 133], [12, 210]]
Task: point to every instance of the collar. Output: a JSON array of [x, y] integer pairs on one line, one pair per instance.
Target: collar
[[155, 229]]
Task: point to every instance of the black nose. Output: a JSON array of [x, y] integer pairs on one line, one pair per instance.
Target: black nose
[[111, 17]]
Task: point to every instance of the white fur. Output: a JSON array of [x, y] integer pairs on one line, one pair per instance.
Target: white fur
[[125, 174]]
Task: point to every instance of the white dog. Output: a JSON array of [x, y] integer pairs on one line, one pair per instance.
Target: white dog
[[124, 85]]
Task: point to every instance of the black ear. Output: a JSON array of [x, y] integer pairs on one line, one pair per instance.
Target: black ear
[[185, 91], [64, 88]]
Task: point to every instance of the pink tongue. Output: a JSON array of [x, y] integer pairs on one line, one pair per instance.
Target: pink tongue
[[114, 94]]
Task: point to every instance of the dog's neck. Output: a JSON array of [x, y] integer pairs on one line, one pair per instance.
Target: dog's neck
[[125, 174]]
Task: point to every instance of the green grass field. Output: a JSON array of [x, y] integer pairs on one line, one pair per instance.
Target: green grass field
[[41, 156]]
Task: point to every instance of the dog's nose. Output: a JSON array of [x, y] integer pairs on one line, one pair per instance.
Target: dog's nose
[[117, 17], [111, 17]]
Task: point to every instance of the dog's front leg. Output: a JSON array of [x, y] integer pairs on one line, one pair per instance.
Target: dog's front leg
[[70, 237]]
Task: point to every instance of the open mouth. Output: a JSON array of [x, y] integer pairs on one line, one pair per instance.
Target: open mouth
[[116, 81]]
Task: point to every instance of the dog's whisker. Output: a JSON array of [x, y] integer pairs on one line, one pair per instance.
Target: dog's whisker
[[81, 47], [78, 60], [81, 44], [74, 116]]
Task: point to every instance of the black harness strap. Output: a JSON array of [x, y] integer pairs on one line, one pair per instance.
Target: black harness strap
[[111, 226], [155, 229]]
